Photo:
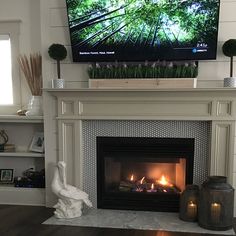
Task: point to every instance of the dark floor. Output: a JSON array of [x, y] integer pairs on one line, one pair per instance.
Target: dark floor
[[26, 221]]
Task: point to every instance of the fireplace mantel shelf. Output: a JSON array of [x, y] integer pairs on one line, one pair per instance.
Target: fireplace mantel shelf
[[163, 104], [143, 90]]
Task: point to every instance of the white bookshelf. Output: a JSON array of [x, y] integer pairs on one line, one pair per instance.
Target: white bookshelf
[[20, 130]]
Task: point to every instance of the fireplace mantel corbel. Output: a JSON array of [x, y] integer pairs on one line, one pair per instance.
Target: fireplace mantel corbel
[[72, 106]]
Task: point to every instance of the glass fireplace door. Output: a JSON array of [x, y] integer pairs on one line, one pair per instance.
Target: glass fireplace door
[[143, 173]]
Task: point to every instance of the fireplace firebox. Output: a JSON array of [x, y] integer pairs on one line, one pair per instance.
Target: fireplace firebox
[[140, 173]]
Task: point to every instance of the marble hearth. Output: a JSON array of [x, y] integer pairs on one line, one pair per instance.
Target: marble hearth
[[77, 116], [141, 220]]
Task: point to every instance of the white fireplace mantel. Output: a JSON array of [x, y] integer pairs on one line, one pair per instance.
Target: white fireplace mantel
[[65, 109]]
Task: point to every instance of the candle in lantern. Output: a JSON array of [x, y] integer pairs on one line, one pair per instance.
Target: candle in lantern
[[215, 212], [192, 210]]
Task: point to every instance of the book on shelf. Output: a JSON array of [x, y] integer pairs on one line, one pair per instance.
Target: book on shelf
[[9, 148]]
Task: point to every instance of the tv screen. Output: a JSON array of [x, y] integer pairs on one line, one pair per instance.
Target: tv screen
[[139, 30]]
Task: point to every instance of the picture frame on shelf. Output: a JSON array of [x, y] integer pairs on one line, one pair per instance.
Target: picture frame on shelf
[[6, 176], [37, 143]]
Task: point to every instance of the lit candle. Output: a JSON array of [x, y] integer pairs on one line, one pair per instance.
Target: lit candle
[[192, 210], [215, 212]]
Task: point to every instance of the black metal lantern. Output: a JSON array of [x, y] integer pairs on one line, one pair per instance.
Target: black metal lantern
[[189, 203], [216, 203]]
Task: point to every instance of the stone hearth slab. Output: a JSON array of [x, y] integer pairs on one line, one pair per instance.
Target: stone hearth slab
[[134, 220]]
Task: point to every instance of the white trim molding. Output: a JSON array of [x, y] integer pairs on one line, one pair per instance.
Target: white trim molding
[[12, 28]]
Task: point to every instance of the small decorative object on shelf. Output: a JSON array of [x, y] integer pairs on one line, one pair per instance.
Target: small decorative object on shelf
[[229, 50], [143, 75], [9, 148], [21, 112], [6, 176], [58, 52], [37, 144], [4, 146], [32, 69], [71, 199], [216, 204], [31, 179], [3, 140], [189, 203]]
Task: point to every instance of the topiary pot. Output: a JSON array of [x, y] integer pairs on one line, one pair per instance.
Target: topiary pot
[[58, 83], [230, 82], [229, 50]]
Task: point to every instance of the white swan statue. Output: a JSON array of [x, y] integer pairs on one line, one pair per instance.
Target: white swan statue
[[71, 199]]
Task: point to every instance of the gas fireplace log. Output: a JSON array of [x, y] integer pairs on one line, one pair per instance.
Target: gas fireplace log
[[126, 186]]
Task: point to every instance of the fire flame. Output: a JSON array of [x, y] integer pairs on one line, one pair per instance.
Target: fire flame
[[141, 181], [152, 186], [132, 178], [163, 181]]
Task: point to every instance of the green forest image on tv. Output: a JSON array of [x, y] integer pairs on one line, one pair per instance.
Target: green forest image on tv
[[143, 27]]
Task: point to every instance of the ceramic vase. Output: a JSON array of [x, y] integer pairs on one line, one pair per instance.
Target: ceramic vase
[[35, 106]]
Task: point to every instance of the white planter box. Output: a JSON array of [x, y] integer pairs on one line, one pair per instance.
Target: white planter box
[[144, 83]]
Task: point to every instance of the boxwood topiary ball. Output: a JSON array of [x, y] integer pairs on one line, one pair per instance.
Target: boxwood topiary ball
[[57, 52], [229, 48]]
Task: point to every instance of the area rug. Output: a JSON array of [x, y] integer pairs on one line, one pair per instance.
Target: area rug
[[134, 220]]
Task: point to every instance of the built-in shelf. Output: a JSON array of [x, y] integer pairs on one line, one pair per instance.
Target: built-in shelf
[[21, 154], [20, 130], [22, 196], [21, 119]]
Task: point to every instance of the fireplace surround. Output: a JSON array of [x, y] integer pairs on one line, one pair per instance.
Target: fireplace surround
[[92, 129], [70, 108]]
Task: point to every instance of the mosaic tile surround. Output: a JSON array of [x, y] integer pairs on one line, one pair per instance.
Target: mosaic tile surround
[[199, 130]]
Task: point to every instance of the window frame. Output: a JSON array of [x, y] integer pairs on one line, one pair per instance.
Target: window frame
[[12, 28]]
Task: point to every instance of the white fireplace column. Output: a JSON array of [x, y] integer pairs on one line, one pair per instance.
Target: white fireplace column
[[73, 106]]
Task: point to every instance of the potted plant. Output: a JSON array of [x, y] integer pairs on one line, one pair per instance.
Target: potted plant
[[32, 69], [147, 74], [57, 52], [229, 50]]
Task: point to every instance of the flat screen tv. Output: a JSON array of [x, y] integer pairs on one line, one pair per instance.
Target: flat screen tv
[[139, 30]]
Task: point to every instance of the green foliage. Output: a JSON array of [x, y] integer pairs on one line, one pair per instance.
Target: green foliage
[[229, 48], [145, 70], [57, 52]]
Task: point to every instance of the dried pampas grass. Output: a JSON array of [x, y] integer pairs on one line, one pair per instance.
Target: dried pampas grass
[[32, 69]]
